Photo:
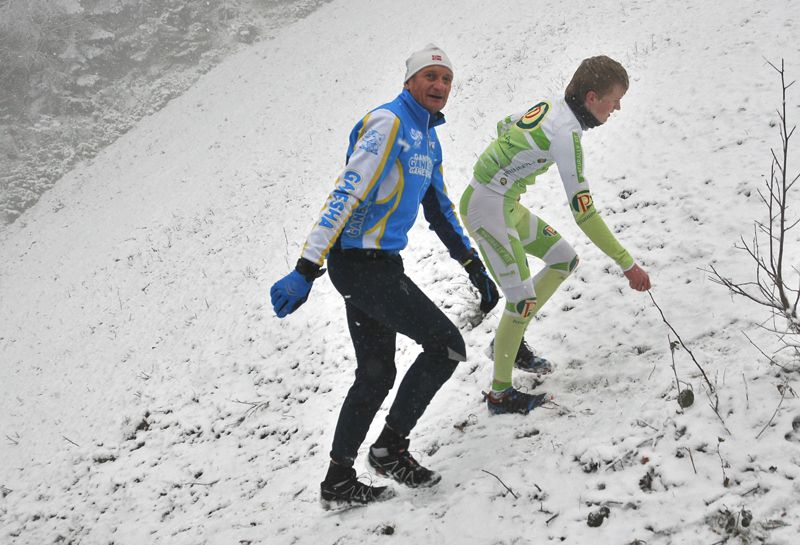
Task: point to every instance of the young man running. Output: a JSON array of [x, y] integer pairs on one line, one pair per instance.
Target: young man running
[[394, 164], [527, 145]]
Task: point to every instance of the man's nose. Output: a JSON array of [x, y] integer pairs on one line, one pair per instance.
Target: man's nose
[[440, 85]]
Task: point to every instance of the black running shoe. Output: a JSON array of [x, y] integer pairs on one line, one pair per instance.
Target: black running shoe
[[526, 359], [397, 463], [514, 401], [351, 491]]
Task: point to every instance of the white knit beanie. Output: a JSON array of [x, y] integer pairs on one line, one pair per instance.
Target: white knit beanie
[[428, 56]]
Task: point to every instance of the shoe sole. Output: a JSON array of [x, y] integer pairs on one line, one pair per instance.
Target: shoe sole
[[336, 504], [535, 372], [378, 470], [541, 400]]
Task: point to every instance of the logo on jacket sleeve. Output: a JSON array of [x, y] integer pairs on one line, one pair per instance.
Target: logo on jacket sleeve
[[339, 196], [371, 141], [533, 116], [582, 202]]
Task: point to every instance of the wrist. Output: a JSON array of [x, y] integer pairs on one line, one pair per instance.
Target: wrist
[[470, 259], [308, 269]]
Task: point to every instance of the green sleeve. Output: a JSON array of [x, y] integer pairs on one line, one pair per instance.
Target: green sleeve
[[602, 237]]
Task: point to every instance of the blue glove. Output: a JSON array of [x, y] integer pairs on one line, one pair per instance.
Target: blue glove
[[289, 293], [480, 279]]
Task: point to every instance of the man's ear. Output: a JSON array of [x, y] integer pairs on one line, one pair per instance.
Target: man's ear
[[591, 97]]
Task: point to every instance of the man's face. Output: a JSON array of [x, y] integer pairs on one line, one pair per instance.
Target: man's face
[[602, 106], [431, 87]]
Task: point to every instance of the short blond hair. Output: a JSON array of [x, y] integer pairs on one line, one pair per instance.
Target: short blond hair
[[598, 74]]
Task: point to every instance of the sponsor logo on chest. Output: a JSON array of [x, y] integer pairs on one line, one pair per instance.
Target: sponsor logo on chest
[[421, 165], [416, 137]]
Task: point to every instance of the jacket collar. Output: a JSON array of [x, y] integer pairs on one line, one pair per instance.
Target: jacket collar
[[420, 114], [585, 117]]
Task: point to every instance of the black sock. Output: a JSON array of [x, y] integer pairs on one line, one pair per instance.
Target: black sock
[[337, 472], [388, 438]]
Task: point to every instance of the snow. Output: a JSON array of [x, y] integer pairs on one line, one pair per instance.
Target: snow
[[150, 395]]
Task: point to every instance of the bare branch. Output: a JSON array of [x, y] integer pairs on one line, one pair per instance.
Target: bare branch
[[771, 361], [711, 387], [738, 289], [501, 482], [687, 449], [783, 396]]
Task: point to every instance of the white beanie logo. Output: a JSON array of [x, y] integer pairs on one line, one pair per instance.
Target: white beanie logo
[[430, 55]]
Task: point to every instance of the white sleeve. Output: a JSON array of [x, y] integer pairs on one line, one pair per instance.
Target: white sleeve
[[371, 157]]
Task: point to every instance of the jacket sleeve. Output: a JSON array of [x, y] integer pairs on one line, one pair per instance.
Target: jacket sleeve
[[568, 155], [441, 215], [373, 149]]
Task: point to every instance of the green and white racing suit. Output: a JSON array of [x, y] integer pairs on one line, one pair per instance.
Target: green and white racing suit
[[527, 145]]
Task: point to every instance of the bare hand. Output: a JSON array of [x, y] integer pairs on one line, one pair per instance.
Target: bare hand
[[638, 278]]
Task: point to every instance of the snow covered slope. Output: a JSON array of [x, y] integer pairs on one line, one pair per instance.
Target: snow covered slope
[[149, 395]]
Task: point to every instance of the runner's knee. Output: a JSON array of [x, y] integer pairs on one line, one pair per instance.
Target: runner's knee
[[562, 257], [447, 344], [375, 379]]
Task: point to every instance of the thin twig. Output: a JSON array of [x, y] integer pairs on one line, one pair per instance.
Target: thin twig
[[286, 247], [691, 458], [501, 482], [254, 406], [674, 370], [722, 466], [756, 487], [67, 439], [783, 396], [627, 453], [746, 392], [715, 407], [212, 483], [646, 424], [771, 361], [711, 387]]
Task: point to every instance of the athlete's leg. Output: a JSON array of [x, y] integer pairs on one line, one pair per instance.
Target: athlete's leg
[[543, 242], [381, 291], [493, 220], [505, 232], [375, 373]]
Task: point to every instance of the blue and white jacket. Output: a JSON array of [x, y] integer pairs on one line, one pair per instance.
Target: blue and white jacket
[[394, 163]]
